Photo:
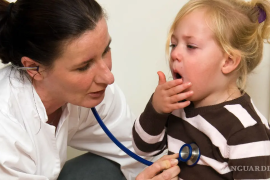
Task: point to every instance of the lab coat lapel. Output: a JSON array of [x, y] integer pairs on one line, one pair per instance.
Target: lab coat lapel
[[33, 113]]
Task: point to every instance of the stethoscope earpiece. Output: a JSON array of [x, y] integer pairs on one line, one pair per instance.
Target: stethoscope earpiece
[[189, 153], [28, 68]]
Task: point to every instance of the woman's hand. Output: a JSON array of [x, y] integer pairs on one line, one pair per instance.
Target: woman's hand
[[168, 94], [165, 168]]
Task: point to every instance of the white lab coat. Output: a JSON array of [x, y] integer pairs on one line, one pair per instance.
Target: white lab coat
[[31, 150]]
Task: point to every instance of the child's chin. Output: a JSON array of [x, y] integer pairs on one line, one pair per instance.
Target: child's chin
[[189, 99]]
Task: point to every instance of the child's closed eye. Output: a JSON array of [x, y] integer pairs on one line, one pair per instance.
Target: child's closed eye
[[172, 46], [191, 46]]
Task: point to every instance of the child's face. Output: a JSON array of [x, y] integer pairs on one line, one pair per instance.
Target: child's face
[[197, 57]]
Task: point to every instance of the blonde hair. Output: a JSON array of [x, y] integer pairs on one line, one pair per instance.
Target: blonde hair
[[236, 28]]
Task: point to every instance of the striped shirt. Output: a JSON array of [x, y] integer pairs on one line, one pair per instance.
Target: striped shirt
[[233, 137]]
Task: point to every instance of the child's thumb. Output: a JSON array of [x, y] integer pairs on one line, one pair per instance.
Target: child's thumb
[[161, 77]]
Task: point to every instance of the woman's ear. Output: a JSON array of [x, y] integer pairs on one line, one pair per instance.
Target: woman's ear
[[231, 62], [34, 73]]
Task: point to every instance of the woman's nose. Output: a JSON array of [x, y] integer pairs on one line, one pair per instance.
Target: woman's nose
[[104, 74]]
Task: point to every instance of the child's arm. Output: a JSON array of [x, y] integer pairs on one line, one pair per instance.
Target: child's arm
[[149, 133]]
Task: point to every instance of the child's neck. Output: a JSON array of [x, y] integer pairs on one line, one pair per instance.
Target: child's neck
[[218, 98]]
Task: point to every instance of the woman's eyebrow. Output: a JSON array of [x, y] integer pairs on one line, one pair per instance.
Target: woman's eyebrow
[[107, 47]]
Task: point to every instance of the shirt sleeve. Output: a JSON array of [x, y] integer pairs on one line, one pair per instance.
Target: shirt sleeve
[[118, 118], [16, 154], [249, 153], [149, 132]]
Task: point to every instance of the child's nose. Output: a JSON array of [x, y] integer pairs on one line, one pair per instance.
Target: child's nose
[[176, 54]]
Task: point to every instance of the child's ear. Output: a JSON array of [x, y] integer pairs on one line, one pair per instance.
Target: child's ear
[[231, 62], [34, 73]]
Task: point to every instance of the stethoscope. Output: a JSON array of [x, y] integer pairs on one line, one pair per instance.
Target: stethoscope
[[189, 153]]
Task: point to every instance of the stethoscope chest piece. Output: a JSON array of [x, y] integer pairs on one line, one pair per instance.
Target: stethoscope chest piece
[[189, 153]]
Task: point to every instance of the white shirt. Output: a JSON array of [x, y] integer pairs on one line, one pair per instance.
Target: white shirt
[[30, 149]]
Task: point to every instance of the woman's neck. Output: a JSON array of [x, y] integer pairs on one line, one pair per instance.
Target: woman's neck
[[51, 102]]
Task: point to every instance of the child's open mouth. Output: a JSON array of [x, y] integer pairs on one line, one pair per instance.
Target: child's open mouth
[[178, 76]]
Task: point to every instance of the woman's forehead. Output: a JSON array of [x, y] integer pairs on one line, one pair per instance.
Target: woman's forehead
[[89, 45]]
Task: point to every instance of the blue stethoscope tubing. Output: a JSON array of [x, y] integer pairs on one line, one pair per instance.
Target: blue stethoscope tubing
[[121, 146], [194, 159]]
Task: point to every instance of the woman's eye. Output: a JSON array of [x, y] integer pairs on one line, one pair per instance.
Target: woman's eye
[[107, 50], [191, 47], [84, 68]]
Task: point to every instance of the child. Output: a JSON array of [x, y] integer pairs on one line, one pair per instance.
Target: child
[[214, 45]]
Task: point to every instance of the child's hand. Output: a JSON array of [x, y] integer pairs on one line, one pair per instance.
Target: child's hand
[[168, 94]]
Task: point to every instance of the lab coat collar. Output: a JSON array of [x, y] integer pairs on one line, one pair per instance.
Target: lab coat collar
[[28, 98]]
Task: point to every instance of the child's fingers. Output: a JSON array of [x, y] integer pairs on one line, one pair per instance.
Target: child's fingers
[[179, 105], [178, 89], [171, 84], [161, 78], [180, 97]]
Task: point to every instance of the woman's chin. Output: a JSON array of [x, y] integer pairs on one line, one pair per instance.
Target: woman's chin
[[90, 102], [94, 103]]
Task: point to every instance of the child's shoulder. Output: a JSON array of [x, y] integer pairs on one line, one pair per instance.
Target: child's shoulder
[[228, 118], [245, 112], [248, 123]]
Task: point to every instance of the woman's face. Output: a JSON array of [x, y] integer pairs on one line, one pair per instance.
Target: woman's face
[[81, 75]]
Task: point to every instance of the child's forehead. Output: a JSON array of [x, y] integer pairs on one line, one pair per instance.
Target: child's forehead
[[194, 25], [196, 17]]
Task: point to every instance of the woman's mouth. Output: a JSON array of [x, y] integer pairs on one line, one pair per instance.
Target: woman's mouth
[[97, 94]]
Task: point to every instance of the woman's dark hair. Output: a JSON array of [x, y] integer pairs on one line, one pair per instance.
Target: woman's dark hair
[[38, 29]]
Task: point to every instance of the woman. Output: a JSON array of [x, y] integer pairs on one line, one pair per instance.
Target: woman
[[61, 67]]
